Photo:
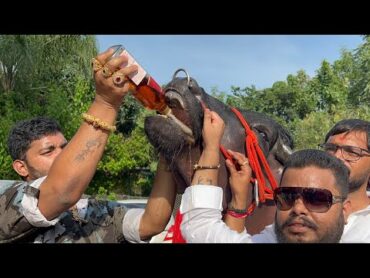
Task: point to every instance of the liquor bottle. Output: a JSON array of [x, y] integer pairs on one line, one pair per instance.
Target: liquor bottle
[[142, 86], [147, 91]]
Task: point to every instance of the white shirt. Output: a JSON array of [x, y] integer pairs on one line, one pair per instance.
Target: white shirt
[[201, 207], [131, 224], [357, 229], [30, 209]]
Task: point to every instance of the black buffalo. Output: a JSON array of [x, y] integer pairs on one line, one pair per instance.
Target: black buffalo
[[182, 147]]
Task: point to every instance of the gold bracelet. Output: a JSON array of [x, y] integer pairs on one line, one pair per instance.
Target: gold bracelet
[[201, 167], [97, 123]]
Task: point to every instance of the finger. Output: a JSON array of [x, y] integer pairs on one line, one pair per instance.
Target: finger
[[230, 166], [217, 119], [120, 77], [127, 71], [207, 115], [105, 56], [239, 157], [246, 168], [215, 116], [116, 63]]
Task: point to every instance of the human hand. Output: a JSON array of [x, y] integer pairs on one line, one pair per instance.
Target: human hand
[[239, 179], [213, 129], [111, 78]]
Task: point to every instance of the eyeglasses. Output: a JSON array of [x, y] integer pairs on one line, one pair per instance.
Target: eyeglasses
[[349, 153], [314, 199]]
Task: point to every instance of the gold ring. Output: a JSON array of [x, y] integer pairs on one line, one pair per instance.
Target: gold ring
[[244, 163], [96, 65], [106, 72], [119, 78]]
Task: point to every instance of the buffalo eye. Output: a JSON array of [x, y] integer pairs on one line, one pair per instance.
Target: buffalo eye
[[263, 135]]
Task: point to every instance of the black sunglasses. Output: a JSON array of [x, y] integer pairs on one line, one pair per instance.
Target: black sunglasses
[[314, 199]]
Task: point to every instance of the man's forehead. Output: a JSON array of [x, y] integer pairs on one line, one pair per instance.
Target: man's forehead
[[309, 176], [356, 138], [49, 140]]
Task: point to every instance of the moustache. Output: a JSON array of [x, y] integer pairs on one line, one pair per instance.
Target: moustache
[[302, 219]]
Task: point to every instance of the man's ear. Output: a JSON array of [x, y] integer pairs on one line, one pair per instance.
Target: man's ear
[[347, 209], [21, 168]]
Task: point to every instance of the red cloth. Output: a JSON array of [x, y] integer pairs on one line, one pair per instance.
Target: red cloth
[[174, 233]]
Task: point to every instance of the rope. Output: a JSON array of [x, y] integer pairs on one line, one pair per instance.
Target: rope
[[256, 158]]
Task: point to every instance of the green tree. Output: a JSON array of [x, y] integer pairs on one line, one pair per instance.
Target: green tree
[[47, 75], [126, 166], [360, 85]]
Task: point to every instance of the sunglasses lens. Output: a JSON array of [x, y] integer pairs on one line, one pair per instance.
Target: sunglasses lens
[[315, 200], [284, 198]]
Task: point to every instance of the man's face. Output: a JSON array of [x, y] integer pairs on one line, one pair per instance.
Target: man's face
[[300, 225], [41, 155], [360, 169]]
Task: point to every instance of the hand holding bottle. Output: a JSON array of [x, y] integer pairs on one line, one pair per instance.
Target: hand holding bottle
[[105, 69], [143, 87]]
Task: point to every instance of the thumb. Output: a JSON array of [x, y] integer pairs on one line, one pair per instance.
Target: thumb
[[215, 116], [207, 116]]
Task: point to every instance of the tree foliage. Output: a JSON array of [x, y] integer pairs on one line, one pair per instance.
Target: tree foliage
[[310, 106], [50, 75]]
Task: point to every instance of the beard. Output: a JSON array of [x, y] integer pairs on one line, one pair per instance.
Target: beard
[[333, 234], [33, 173], [356, 182]]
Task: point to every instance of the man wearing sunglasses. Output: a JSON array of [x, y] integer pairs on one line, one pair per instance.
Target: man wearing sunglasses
[[311, 200], [349, 140]]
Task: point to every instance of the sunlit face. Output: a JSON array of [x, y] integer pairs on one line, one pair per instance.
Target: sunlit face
[[41, 155], [300, 225], [360, 169]]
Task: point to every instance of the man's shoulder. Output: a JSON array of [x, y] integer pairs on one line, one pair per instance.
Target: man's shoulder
[[12, 191], [7, 184], [13, 225]]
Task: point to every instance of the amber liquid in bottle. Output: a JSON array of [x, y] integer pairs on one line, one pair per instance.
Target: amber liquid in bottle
[[150, 95], [142, 86]]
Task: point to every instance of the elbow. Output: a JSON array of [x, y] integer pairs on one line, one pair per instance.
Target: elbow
[[56, 198], [67, 200], [149, 228], [157, 227], [67, 196]]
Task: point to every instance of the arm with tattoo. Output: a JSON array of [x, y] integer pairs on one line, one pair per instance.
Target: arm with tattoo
[[213, 127], [74, 168]]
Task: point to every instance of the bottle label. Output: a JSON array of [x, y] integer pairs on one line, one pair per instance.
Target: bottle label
[[141, 73]]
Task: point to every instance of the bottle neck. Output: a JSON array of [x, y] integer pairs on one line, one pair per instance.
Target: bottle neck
[[165, 111]]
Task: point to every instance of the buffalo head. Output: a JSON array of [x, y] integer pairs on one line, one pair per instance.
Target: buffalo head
[[181, 147]]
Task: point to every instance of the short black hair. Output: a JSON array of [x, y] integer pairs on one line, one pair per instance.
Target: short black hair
[[349, 125], [25, 132], [322, 160]]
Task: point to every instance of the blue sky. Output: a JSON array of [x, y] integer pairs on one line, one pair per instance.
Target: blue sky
[[225, 60]]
